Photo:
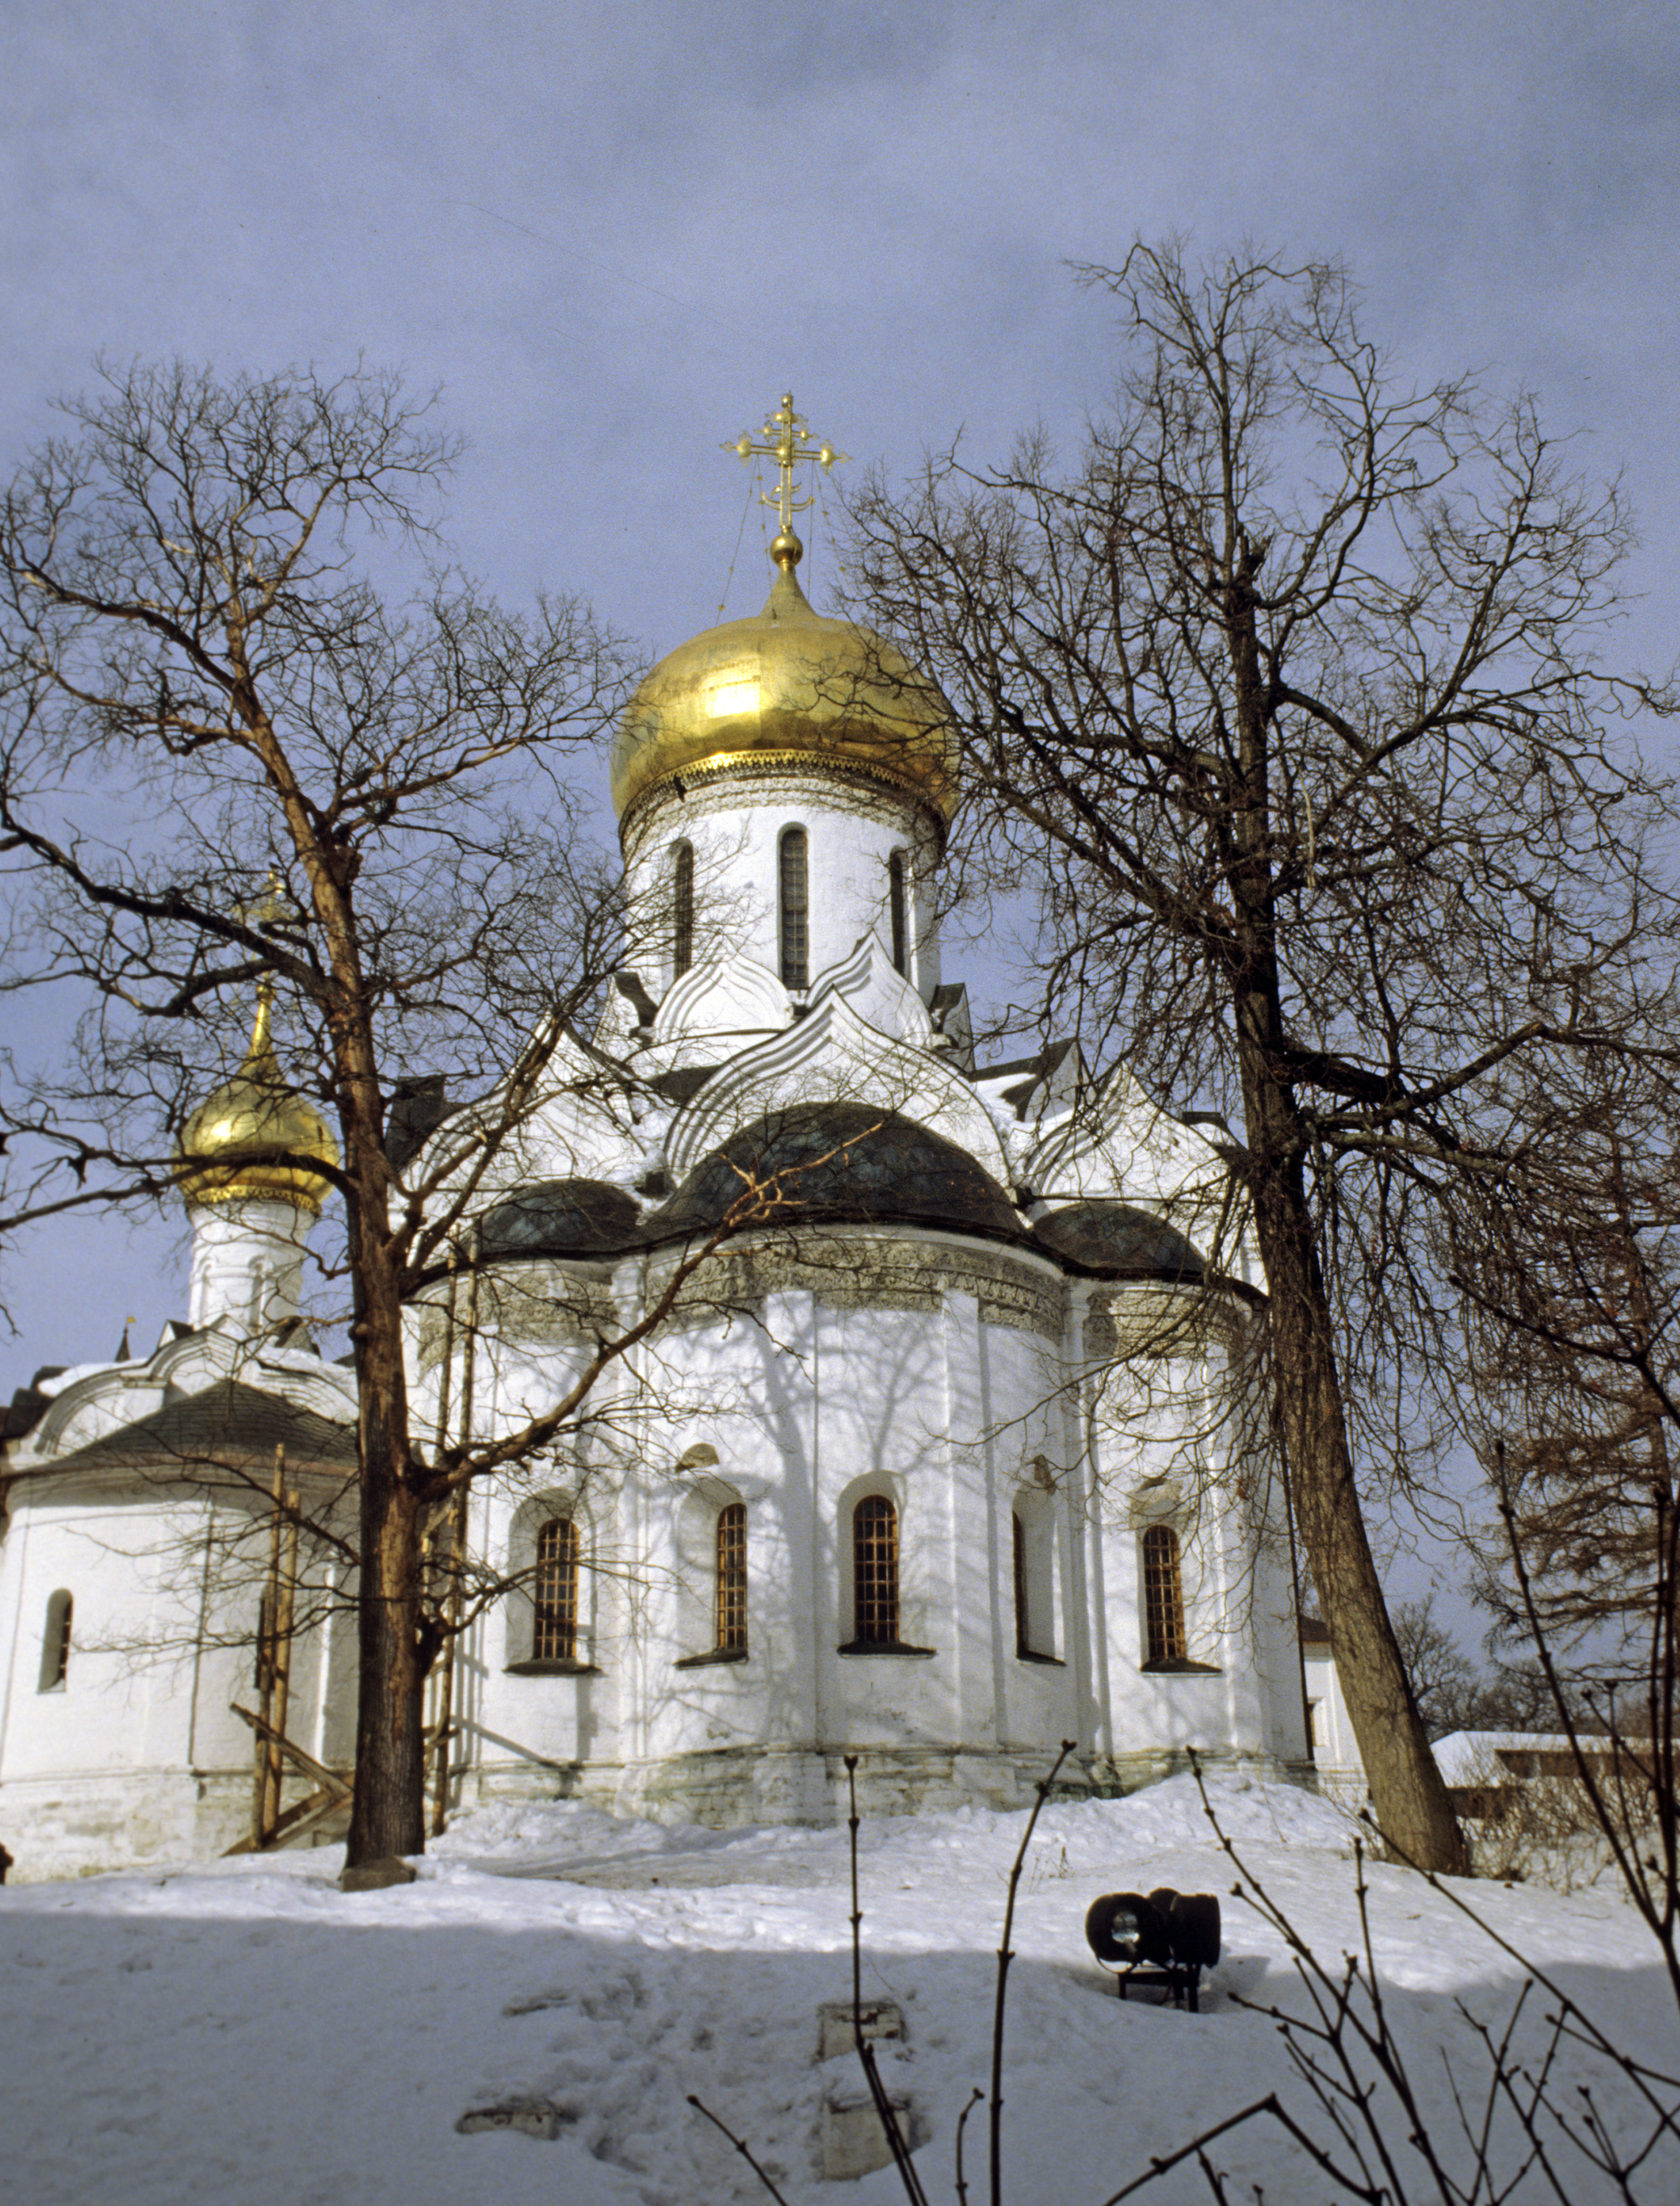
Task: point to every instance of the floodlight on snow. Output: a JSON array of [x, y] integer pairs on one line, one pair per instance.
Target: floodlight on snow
[[1163, 1939]]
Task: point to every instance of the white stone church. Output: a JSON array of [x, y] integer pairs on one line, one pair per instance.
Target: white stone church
[[944, 1457]]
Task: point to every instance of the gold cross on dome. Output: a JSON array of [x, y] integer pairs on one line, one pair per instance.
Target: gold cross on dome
[[263, 911], [787, 433], [270, 904]]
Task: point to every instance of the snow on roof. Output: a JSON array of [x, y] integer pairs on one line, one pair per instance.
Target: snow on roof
[[1463, 1757]]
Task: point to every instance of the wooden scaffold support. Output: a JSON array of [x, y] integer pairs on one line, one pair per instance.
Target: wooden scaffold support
[[272, 1825], [332, 1792], [447, 1551], [274, 1657]]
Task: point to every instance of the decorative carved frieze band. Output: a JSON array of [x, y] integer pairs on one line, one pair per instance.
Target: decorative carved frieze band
[[846, 1271], [865, 777]]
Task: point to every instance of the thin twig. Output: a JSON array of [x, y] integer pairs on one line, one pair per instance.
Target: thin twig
[[1164, 2163], [974, 2098], [897, 2144], [1005, 1956], [740, 2145]]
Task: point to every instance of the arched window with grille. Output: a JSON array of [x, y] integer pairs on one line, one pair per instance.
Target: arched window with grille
[[55, 1641], [732, 1579], [682, 909], [554, 1593], [898, 901], [795, 901], [1163, 1596], [1023, 1614], [875, 1572]]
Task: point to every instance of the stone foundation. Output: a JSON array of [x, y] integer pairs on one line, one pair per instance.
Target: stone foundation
[[83, 1826], [727, 1789], [86, 1826]]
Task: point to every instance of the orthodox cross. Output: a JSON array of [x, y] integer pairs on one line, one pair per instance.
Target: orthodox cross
[[262, 911], [788, 444]]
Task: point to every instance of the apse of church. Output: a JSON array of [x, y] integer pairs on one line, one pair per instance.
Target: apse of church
[[935, 1460]]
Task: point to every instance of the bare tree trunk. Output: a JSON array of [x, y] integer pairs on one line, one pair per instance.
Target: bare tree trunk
[[276, 720], [1407, 1790], [389, 1812], [1290, 694]]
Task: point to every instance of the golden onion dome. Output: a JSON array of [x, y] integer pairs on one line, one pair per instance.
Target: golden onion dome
[[256, 1139], [787, 687]]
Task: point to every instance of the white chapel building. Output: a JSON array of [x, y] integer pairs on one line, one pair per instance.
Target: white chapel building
[[943, 1455]]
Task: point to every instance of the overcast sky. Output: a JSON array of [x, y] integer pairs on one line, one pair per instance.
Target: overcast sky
[[615, 234]]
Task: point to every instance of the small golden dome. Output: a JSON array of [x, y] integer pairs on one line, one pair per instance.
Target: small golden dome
[[787, 686], [255, 1139]]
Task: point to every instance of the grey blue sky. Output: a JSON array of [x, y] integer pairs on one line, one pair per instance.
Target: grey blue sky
[[616, 234]]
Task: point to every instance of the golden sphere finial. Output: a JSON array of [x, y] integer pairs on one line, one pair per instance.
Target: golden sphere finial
[[787, 551]]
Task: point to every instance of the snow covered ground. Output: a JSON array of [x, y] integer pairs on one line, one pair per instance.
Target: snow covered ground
[[246, 2034]]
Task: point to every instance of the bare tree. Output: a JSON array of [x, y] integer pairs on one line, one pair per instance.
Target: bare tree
[[255, 730], [1569, 1258], [1444, 1679], [1284, 698], [1569, 1261]]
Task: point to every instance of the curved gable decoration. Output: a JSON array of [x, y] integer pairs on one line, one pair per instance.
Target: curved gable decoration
[[833, 1056], [111, 1398], [1122, 1144], [877, 992], [1124, 1148], [574, 1108], [95, 1406], [577, 1122], [734, 995]]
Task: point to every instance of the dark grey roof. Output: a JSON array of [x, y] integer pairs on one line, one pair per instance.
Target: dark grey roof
[[682, 1082], [229, 1425], [418, 1107], [28, 1404], [1119, 1242], [575, 1217], [839, 1164]]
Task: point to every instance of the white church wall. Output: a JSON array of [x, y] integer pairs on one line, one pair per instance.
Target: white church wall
[[822, 1399], [881, 1380], [1159, 1432], [1016, 1412], [121, 1701], [1341, 1768], [970, 1452], [136, 1753], [779, 1377], [1264, 1536], [528, 1723]]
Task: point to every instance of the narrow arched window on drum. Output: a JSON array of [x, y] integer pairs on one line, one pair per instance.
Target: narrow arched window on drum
[[682, 909], [795, 910]]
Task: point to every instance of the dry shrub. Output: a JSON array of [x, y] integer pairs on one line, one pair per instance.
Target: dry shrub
[[1543, 1830]]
